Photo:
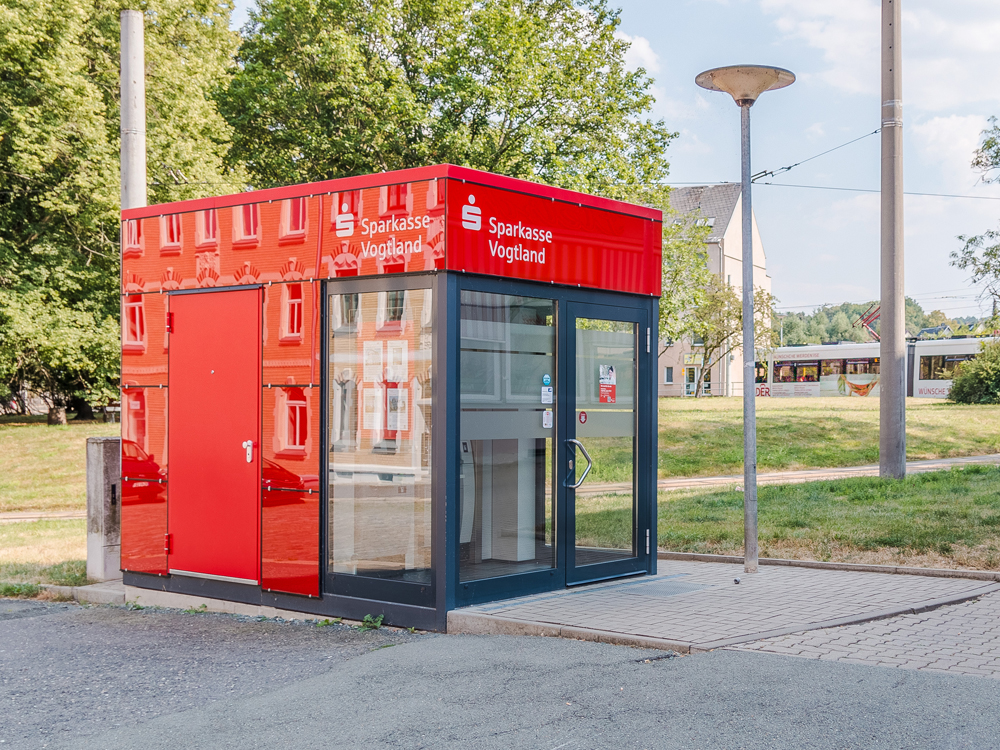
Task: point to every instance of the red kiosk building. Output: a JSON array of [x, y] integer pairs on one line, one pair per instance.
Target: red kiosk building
[[392, 394]]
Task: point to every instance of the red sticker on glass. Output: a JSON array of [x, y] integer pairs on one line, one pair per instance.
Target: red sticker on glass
[[583, 417]]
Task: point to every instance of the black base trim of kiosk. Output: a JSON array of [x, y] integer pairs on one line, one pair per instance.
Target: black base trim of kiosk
[[398, 615]]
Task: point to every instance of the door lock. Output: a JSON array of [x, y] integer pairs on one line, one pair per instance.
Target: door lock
[[248, 444]]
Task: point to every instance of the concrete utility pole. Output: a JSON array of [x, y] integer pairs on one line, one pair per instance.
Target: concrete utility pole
[[892, 352], [133, 110], [745, 83]]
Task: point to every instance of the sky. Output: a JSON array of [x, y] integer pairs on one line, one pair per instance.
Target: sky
[[822, 246]]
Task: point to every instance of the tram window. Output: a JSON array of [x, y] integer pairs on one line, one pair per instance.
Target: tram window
[[863, 366], [784, 372], [942, 367], [832, 367], [807, 372], [760, 375]]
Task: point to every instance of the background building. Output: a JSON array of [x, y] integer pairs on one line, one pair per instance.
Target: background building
[[720, 208]]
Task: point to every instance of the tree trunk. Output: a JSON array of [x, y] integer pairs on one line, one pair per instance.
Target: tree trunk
[[57, 415], [83, 409]]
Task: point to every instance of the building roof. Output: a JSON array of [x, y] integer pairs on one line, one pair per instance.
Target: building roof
[[715, 202]]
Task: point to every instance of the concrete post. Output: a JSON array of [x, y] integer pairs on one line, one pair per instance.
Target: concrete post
[[749, 356], [133, 110], [892, 325], [104, 515]]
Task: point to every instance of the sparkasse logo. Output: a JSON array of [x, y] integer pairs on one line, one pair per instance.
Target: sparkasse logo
[[345, 222], [472, 215]]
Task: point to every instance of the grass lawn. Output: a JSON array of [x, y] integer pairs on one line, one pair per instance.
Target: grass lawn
[[704, 437], [945, 519], [45, 468], [43, 552]]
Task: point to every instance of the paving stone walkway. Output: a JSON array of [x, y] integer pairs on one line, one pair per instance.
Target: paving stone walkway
[[694, 606], [960, 639]]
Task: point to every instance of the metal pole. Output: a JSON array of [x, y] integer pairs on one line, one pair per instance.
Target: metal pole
[[749, 358], [892, 352], [133, 110]]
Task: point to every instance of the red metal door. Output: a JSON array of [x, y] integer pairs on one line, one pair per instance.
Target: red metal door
[[215, 388]]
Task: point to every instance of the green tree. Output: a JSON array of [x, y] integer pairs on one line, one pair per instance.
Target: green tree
[[63, 352], [536, 89], [819, 328], [686, 276], [980, 255], [717, 321], [59, 132], [978, 380]]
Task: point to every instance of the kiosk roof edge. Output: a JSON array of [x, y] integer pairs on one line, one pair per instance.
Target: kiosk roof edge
[[380, 179]]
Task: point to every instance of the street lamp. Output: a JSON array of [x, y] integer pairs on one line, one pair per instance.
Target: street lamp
[[745, 83]]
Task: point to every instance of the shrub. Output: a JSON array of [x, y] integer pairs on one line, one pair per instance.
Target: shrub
[[978, 380]]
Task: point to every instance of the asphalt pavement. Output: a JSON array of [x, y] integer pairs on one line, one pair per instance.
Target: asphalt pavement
[[107, 677]]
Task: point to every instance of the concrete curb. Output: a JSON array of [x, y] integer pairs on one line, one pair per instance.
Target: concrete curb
[[106, 592], [975, 575], [477, 623]]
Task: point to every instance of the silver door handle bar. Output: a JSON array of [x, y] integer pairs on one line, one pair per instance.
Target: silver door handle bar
[[590, 464]]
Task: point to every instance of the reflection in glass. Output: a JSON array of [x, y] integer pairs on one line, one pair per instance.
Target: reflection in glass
[[508, 387], [380, 438], [605, 508]]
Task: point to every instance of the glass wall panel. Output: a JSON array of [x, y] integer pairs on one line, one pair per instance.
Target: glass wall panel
[[508, 396], [606, 425], [380, 435]]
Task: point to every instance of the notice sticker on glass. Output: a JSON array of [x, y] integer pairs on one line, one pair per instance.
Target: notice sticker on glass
[[606, 383], [373, 361], [546, 394], [547, 419], [370, 409], [396, 418]]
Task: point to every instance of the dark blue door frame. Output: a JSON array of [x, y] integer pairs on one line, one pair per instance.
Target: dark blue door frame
[[641, 522], [641, 310]]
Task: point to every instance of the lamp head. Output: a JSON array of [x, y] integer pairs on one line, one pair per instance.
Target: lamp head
[[745, 82]]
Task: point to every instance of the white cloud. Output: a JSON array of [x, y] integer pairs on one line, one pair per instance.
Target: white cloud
[[949, 49], [639, 54], [815, 131], [846, 32], [948, 143]]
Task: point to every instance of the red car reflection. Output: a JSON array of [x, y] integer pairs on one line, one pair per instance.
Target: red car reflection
[[142, 474], [275, 476]]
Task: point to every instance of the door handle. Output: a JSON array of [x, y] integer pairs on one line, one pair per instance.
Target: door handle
[[590, 465], [248, 444]]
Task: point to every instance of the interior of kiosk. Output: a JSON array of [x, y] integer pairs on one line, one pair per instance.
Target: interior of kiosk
[[486, 409]]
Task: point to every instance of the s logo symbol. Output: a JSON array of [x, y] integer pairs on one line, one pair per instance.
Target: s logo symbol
[[345, 222], [472, 215]]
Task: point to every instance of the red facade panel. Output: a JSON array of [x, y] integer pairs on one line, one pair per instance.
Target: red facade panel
[[391, 223], [389, 229], [144, 339], [291, 346], [290, 541], [290, 438], [516, 235], [144, 475]]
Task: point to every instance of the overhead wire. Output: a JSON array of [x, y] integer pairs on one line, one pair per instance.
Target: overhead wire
[[782, 170]]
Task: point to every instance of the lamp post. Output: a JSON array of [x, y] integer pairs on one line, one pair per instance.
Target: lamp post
[[745, 83]]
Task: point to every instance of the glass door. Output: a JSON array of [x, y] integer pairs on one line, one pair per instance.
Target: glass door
[[607, 533]]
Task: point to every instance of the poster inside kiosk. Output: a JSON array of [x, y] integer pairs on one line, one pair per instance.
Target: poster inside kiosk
[[606, 383]]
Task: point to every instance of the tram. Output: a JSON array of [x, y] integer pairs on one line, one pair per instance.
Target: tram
[[851, 369]]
